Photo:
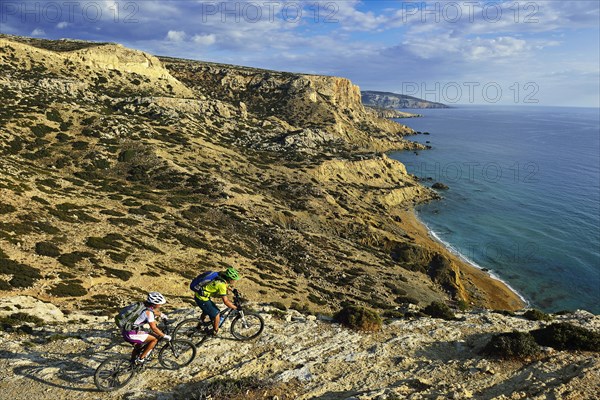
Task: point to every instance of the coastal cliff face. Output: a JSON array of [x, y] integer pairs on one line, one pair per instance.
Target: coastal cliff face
[[321, 112], [119, 166]]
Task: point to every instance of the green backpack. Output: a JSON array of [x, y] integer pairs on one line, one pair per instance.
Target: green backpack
[[128, 315]]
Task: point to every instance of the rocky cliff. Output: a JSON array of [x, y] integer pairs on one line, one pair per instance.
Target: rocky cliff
[[394, 100], [119, 166]]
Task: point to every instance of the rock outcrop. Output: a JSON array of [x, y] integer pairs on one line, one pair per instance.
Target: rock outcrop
[[301, 356], [390, 113]]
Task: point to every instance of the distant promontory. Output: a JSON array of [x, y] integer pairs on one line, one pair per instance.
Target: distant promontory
[[395, 100]]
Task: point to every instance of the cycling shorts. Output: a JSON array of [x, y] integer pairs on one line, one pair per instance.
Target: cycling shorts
[[135, 337], [208, 307]]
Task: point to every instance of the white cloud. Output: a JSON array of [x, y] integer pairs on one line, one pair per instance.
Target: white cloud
[[176, 36], [205, 40], [62, 25], [38, 32], [349, 17]]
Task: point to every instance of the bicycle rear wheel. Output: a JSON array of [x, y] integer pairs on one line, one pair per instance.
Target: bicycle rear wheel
[[247, 326], [190, 329], [114, 373], [176, 354]]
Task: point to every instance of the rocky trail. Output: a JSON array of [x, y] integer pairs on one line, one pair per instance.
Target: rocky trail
[[301, 357]]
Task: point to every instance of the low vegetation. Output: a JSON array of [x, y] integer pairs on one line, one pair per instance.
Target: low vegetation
[[512, 345], [565, 336], [47, 249], [359, 318], [439, 310], [537, 315]]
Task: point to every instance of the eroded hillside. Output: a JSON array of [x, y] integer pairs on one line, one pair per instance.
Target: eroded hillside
[[123, 172]]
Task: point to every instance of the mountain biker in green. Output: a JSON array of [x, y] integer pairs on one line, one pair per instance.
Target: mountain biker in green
[[138, 337], [216, 288]]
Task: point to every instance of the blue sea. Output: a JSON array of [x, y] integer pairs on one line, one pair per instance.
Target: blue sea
[[523, 198]]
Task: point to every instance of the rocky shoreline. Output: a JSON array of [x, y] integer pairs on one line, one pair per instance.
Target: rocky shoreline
[[478, 284]]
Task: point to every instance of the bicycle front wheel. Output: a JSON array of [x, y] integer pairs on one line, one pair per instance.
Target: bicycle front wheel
[[114, 373], [247, 326], [176, 354], [190, 329]]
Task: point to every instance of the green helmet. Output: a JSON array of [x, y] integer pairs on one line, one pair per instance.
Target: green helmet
[[232, 274]]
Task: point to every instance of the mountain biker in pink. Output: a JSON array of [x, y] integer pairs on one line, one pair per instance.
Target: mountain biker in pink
[[217, 288], [138, 337]]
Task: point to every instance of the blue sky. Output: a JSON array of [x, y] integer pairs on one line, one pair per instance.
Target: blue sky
[[456, 52]]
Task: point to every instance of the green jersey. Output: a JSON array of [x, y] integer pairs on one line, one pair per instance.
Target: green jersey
[[216, 288]]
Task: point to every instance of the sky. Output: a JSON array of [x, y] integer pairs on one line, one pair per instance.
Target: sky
[[455, 52]]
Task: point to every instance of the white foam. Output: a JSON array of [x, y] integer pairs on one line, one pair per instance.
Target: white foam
[[457, 253]]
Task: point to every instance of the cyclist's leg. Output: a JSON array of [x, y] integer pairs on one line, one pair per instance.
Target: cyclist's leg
[[136, 351], [216, 322], [142, 340], [150, 341], [209, 308]]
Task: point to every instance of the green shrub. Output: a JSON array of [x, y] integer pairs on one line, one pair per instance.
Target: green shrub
[[40, 200], [565, 336], [23, 275], [513, 345], [153, 208], [118, 273], [131, 202], [47, 249], [9, 323], [53, 115], [108, 242], [279, 305], [394, 314], [124, 221], [79, 145], [359, 318], [244, 388], [40, 130], [537, 315], [405, 300], [6, 208], [112, 212], [117, 257], [70, 259], [68, 289], [439, 310], [316, 299], [192, 242]]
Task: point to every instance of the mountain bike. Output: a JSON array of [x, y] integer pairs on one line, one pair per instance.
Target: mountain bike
[[244, 325], [117, 371]]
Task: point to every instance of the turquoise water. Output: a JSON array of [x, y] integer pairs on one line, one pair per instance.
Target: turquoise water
[[524, 197]]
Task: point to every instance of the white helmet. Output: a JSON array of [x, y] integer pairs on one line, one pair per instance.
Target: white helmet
[[156, 298]]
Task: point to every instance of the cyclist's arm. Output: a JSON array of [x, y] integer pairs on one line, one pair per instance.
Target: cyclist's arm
[[155, 329], [228, 303]]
